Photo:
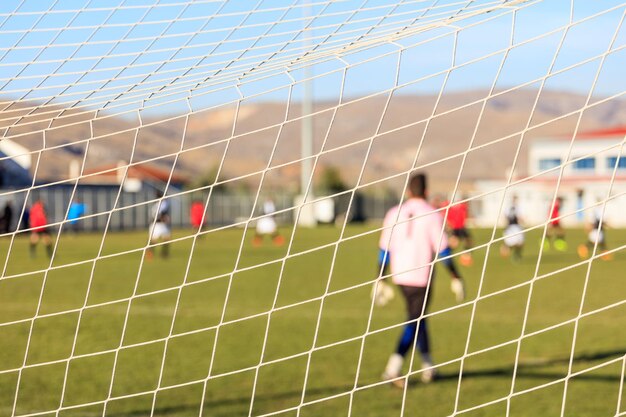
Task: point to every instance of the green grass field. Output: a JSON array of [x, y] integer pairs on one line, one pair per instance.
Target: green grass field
[[317, 347]]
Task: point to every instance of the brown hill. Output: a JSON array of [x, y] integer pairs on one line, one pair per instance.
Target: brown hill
[[268, 134], [342, 137]]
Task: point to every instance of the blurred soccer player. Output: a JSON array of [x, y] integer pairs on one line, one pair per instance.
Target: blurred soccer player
[[456, 284], [76, 211], [6, 220], [266, 226], [555, 233], [457, 218], [513, 242], [38, 223], [196, 215], [160, 231], [412, 234], [595, 233]]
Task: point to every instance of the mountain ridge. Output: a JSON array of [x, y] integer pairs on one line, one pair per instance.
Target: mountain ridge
[[268, 134]]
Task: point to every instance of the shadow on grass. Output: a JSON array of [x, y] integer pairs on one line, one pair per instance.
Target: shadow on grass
[[531, 369], [525, 370], [557, 258], [237, 401]]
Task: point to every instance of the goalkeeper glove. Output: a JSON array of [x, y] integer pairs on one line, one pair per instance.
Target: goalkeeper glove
[[458, 288], [382, 293]]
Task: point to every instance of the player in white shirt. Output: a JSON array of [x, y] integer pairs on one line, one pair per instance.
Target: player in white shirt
[[266, 225], [160, 230], [513, 242], [595, 232]]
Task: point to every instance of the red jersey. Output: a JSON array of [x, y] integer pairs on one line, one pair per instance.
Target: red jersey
[[555, 213], [37, 219], [457, 216], [196, 214]]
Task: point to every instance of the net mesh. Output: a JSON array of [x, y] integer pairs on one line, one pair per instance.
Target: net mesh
[[98, 97]]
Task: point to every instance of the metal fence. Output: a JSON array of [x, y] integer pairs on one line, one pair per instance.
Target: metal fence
[[133, 210]]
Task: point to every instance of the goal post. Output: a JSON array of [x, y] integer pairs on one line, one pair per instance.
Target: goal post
[[162, 178]]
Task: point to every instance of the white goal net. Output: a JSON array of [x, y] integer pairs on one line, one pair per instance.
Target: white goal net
[[192, 195]]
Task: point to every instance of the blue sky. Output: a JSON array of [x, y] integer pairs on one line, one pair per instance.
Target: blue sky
[[103, 49]]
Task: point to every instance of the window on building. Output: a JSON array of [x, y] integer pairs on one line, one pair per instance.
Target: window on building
[[549, 163], [611, 161], [585, 164]]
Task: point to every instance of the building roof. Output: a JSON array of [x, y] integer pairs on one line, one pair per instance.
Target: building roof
[[16, 152], [613, 132], [619, 131]]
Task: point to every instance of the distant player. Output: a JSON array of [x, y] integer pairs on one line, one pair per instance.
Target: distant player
[[456, 284], [6, 220], [24, 221], [555, 232], [160, 231], [38, 223], [196, 215], [457, 218], [412, 234], [266, 226], [76, 211], [513, 242], [595, 233]]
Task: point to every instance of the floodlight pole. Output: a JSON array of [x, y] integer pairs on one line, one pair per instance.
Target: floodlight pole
[[307, 132], [307, 213]]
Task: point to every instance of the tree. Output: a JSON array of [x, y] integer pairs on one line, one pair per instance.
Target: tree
[[330, 181], [208, 178]]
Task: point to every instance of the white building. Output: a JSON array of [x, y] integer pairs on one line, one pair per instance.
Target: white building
[[15, 164], [584, 172]]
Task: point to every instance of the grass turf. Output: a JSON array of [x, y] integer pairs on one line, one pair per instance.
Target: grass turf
[[318, 348]]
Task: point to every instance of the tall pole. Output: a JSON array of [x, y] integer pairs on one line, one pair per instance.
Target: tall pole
[[307, 214], [307, 130]]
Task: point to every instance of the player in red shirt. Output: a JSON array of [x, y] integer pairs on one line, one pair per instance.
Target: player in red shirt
[[457, 217], [196, 214], [38, 223], [555, 233]]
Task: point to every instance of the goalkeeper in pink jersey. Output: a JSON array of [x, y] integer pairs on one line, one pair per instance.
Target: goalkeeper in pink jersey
[[413, 233]]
